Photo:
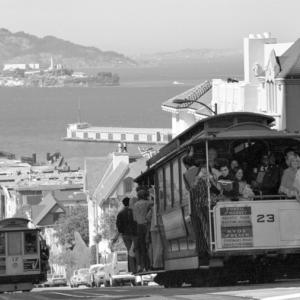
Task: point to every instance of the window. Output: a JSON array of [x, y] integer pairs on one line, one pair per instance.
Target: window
[[271, 97], [2, 243], [149, 138], [121, 256], [2, 265], [123, 137], [2, 207], [191, 244], [168, 186], [176, 186], [185, 192], [174, 247], [160, 185], [30, 242], [98, 136], [14, 243], [85, 135], [158, 136], [183, 244], [128, 183], [110, 136], [136, 137]]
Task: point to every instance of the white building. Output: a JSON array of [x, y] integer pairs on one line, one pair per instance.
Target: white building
[[86, 132], [12, 67], [271, 86], [108, 180]]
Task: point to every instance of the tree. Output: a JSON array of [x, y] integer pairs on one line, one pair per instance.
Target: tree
[[75, 220], [109, 229], [108, 223]]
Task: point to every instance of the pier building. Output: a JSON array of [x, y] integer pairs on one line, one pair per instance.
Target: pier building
[[86, 132]]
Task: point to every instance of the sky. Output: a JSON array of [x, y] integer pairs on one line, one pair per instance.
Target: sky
[[137, 27]]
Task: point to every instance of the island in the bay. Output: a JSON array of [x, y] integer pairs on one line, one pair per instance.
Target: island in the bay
[[28, 60]]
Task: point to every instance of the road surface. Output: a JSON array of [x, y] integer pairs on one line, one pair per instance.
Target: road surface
[[277, 291]]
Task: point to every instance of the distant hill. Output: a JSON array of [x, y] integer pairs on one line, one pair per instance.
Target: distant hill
[[196, 63], [21, 47], [191, 56]]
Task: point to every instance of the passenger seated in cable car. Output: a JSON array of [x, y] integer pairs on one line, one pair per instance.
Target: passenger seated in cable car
[[225, 182], [289, 154], [240, 189], [266, 177], [224, 170], [234, 165], [288, 178]]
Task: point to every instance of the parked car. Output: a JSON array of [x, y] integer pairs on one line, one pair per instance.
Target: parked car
[[55, 280], [81, 277], [98, 274], [116, 269]]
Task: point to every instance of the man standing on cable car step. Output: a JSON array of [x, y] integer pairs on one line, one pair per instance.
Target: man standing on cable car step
[[140, 211]]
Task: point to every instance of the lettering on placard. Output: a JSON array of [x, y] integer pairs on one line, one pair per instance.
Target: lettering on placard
[[236, 227]]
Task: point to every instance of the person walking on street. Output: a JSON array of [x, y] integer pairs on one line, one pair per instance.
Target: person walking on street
[[128, 229]]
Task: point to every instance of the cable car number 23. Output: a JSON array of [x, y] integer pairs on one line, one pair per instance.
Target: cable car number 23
[[270, 218]]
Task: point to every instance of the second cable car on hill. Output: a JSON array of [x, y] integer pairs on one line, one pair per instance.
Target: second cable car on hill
[[22, 261]]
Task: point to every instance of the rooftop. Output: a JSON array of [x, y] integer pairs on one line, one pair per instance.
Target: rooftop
[[199, 92]]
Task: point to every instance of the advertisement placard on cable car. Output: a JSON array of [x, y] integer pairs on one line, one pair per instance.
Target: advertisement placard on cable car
[[257, 225], [236, 227]]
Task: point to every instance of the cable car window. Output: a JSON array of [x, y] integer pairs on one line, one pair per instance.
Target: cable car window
[[30, 242], [2, 243], [185, 192], [168, 186], [2, 265], [14, 243], [160, 176], [176, 187]]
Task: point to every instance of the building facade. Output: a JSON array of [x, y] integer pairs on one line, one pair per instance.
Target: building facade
[[108, 180], [271, 86]]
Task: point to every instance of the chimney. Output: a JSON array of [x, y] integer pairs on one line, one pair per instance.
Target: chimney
[[120, 156]]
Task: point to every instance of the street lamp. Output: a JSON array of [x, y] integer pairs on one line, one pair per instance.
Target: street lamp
[[187, 101]]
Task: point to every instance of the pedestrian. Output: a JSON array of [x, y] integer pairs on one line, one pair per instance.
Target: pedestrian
[[127, 228], [140, 211]]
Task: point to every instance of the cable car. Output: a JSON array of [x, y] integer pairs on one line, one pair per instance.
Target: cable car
[[208, 239], [22, 263]]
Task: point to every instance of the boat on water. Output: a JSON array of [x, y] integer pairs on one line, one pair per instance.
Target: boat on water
[[177, 82]]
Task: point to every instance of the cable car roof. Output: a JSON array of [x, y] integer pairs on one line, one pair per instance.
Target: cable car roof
[[228, 126], [13, 223]]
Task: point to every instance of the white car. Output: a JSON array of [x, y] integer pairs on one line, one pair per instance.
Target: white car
[[116, 269], [98, 274]]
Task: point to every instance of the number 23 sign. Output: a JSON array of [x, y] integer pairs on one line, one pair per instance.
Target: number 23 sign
[[265, 218]]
